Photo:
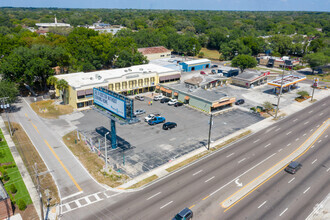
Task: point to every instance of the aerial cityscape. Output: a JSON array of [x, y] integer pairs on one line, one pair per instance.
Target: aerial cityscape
[[167, 110]]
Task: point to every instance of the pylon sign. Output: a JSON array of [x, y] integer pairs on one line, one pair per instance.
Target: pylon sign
[[316, 81]]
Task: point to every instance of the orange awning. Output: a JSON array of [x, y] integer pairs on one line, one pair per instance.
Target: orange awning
[[176, 94], [169, 91], [163, 89], [215, 105], [187, 98], [157, 87]]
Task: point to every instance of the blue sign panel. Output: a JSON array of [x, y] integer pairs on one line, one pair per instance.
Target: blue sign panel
[[109, 102]]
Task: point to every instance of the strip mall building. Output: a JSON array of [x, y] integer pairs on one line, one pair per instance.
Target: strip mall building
[[126, 81]]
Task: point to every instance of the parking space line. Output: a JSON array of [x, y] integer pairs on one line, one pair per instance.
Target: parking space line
[[292, 179], [242, 160], [314, 161], [166, 204], [154, 195], [283, 211], [256, 141], [197, 172], [289, 133], [209, 179], [307, 190], [280, 150], [306, 122], [288, 144], [262, 204], [267, 145], [230, 155]]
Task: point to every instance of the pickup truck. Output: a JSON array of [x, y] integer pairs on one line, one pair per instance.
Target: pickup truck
[[156, 120]]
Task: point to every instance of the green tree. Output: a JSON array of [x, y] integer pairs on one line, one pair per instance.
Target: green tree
[[62, 85], [243, 62], [52, 80], [316, 59], [303, 94], [8, 89], [268, 106]]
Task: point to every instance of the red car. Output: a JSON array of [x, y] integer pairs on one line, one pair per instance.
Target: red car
[[203, 73]]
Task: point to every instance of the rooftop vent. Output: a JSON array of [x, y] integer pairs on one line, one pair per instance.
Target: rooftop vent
[[91, 78], [126, 71], [141, 69], [130, 70]]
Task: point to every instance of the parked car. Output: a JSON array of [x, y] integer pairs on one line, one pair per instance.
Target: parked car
[[169, 125], [214, 66], [165, 100], [239, 102], [150, 116], [213, 71], [177, 104], [156, 120], [139, 111], [203, 73], [158, 97], [139, 97], [293, 167], [172, 102], [185, 214]]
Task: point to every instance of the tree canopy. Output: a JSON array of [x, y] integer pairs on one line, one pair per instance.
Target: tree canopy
[[243, 62]]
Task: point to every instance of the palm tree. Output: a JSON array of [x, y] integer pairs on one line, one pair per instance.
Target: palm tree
[[62, 85], [52, 80]]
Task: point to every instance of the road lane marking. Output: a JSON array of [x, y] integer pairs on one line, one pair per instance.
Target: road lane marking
[[304, 134], [241, 175], [278, 129], [230, 155], [323, 104], [310, 112], [256, 141], [191, 206], [72, 195], [262, 204], [321, 114], [26, 115], [312, 130], [166, 204], [297, 139], [319, 141], [154, 195], [35, 127], [263, 182], [206, 197], [325, 136], [328, 169], [289, 133], [267, 145], [283, 211], [64, 167], [288, 144], [307, 190], [312, 146], [197, 172], [306, 122], [295, 120], [292, 179], [318, 126], [209, 179], [280, 150], [314, 161], [242, 160]]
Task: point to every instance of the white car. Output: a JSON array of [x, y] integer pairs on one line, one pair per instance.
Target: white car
[[172, 101], [150, 116], [139, 112], [158, 97]]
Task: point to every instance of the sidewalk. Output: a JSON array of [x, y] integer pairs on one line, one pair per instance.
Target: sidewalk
[[288, 110]]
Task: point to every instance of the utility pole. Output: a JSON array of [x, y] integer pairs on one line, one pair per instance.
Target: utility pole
[[106, 150], [4, 105], [210, 127], [279, 95], [38, 188]]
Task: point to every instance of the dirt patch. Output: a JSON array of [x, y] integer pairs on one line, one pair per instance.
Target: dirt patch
[[29, 213], [92, 162], [144, 182], [30, 157], [211, 54], [48, 109], [301, 99]]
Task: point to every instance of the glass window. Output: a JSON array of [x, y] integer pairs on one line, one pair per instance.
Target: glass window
[[81, 97], [130, 84], [117, 86], [152, 79], [124, 85], [140, 82], [146, 81], [80, 105], [111, 87]]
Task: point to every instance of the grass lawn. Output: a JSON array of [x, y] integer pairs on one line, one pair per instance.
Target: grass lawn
[[322, 77], [211, 54], [48, 109], [14, 174]]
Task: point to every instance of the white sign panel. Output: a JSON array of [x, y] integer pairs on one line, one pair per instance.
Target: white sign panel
[[109, 102]]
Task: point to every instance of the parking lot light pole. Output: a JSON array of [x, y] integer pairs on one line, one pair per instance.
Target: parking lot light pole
[[106, 151]]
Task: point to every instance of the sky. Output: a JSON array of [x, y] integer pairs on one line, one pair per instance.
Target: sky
[[243, 5]]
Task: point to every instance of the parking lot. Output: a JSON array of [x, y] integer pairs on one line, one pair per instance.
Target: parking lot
[[143, 147]]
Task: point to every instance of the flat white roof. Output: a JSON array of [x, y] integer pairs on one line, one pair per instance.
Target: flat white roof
[[52, 25], [197, 61], [287, 80], [104, 77]]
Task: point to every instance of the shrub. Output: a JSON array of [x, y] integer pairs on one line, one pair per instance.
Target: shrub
[[201, 55], [2, 154], [5, 176], [303, 94], [21, 204], [9, 166], [13, 188]]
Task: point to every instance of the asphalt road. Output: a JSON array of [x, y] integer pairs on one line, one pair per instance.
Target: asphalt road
[[206, 183]]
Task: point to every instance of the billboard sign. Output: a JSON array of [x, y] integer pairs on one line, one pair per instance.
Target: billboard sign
[[109, 102]]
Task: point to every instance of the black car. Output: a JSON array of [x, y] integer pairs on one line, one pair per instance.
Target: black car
[[165, 100], [239, 102], [185, 214], [169, 125], [293, 167], [177, 104], [214, 66]]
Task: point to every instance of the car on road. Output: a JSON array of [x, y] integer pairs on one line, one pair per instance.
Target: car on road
[[169, 125], [293, 167], [165, 100], [203, 73], [239, 102], [158, 97], [139, 97], [214, 66], [139, 111], [177, 104], [172, 101], [156, 120], [185, 214]]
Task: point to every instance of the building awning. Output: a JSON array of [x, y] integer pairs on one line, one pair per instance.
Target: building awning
[[157, 87], [169, 91], [175, 76], [80, 92], [89, 91], [163, 89], [176, 94], [186, 97], [215, 105]]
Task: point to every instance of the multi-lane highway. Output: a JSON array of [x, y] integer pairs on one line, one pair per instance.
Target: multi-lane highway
[[210, 181]]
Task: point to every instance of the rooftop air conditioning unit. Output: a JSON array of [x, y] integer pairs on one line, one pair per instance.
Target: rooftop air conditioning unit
[[130, 70], [126, 71], [141, 69], [91, 78]]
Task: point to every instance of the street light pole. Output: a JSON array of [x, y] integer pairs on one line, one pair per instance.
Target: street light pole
[[279, 96], [106, 151], [210, 127]]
